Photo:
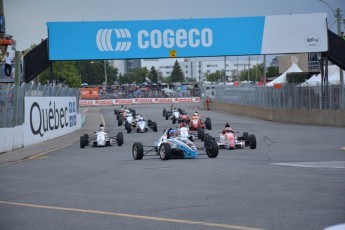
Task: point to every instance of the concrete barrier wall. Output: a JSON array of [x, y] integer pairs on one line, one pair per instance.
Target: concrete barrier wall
[[298, 116]]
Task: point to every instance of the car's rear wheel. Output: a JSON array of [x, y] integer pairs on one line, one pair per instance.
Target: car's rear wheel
[[128, 127], [173, 120], [119, 122], [82, 142], [138, 151], [119, 138], [208, 123], [165, 151], [164, 112], [166, 116], [252, 141], [154, 126], [86, 136], [212, 149]]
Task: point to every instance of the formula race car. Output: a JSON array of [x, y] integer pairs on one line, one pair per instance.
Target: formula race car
[[228, 139], [171, 146], [141, 125], [173, 114], [184, 117], [101, 139], [196, 123]]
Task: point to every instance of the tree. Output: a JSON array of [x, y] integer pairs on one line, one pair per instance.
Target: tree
[[64, 72], [213, 77], [153, 75], [177, 74]]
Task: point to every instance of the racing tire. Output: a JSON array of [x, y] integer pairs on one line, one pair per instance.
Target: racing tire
[[208, 123], [119, 122], [164, 151], [166, 116], [246, 138], [206, 138], [149, 122], [138, 151], [117, 116], [179, 110], [119, 138], [173, 120], [86, 136], [201, 134], [252, 141], [164, 112], [82, 142], [212, 149], [154, 126], [128, 127]]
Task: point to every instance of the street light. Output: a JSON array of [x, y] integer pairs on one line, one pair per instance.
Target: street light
[[104, 64]]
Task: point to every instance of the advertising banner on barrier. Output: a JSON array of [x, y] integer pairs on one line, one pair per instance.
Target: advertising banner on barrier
[[49, 117], [139, 101], [295, 33]]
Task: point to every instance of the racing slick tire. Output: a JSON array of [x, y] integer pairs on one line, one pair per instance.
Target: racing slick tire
[[166, 116], [164, 151], [86, 136], [117, 116], [173, 120], [149, 122], [207, 138], [252, 141], [138, 151], [164, 112], [154, 126], [245, 137], [201, 134], [119, 122], [82, 142], [208, 123], [119, 138], [212, 149], [128, 127]]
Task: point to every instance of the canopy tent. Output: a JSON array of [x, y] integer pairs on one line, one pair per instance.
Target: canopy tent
[[315, 80], [282, 78], [167, 90]]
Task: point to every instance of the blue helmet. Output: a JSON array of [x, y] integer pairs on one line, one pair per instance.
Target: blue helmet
[[173, 131]]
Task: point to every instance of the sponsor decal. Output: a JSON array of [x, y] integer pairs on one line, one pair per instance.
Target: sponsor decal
[[312, 41], [180, 38], [185, 99], [51, 118], [145, 100], [104, 102], [103, 40], [124, 101]]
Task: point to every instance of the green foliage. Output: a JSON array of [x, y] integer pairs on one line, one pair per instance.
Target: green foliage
[[177, 74], [213, 77], [64, 72], [153, 75], [137, 76]]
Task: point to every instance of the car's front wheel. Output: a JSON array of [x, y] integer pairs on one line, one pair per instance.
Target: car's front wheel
[[165, 151]]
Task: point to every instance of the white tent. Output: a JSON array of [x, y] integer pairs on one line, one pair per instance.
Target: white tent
[[282, 78], [167, 90], [313, 81]]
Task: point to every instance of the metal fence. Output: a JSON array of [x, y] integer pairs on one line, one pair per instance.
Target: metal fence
[[12, 100], [290, 96]]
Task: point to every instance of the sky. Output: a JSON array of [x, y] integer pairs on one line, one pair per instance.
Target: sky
[[26, 19]]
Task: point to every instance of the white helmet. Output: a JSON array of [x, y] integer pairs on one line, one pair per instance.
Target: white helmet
[[195, 114]]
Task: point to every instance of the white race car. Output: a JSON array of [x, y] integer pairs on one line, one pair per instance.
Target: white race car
[[101, 139]]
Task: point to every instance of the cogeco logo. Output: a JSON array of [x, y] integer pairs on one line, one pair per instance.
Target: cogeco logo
[[168, 38], [180, 38], [103, 39]]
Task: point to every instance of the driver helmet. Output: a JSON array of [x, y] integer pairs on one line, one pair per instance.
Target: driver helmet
[[172, 133], [102, 129], [227, 125], [195, 114], [183, 124], [141, 119]]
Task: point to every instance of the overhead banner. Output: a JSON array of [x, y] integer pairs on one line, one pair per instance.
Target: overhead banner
[[106, 40]]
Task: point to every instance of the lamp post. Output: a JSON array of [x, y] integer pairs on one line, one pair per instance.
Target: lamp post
[[104, 64]]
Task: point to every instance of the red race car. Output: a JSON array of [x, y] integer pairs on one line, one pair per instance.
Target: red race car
[[196, 123]]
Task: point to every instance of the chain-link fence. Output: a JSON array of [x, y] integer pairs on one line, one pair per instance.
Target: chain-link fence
[[12, 100], [288, 97]]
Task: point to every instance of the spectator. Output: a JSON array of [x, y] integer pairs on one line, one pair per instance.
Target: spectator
[[8, 65]]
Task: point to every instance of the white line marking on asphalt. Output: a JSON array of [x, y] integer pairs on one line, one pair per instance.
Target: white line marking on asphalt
[[321, 164], [227, 226]]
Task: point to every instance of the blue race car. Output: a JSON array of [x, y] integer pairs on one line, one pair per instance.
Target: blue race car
[[170, 145]]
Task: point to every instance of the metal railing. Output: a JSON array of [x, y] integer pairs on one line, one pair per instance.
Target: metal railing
[[12, 100], [289, 96]]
